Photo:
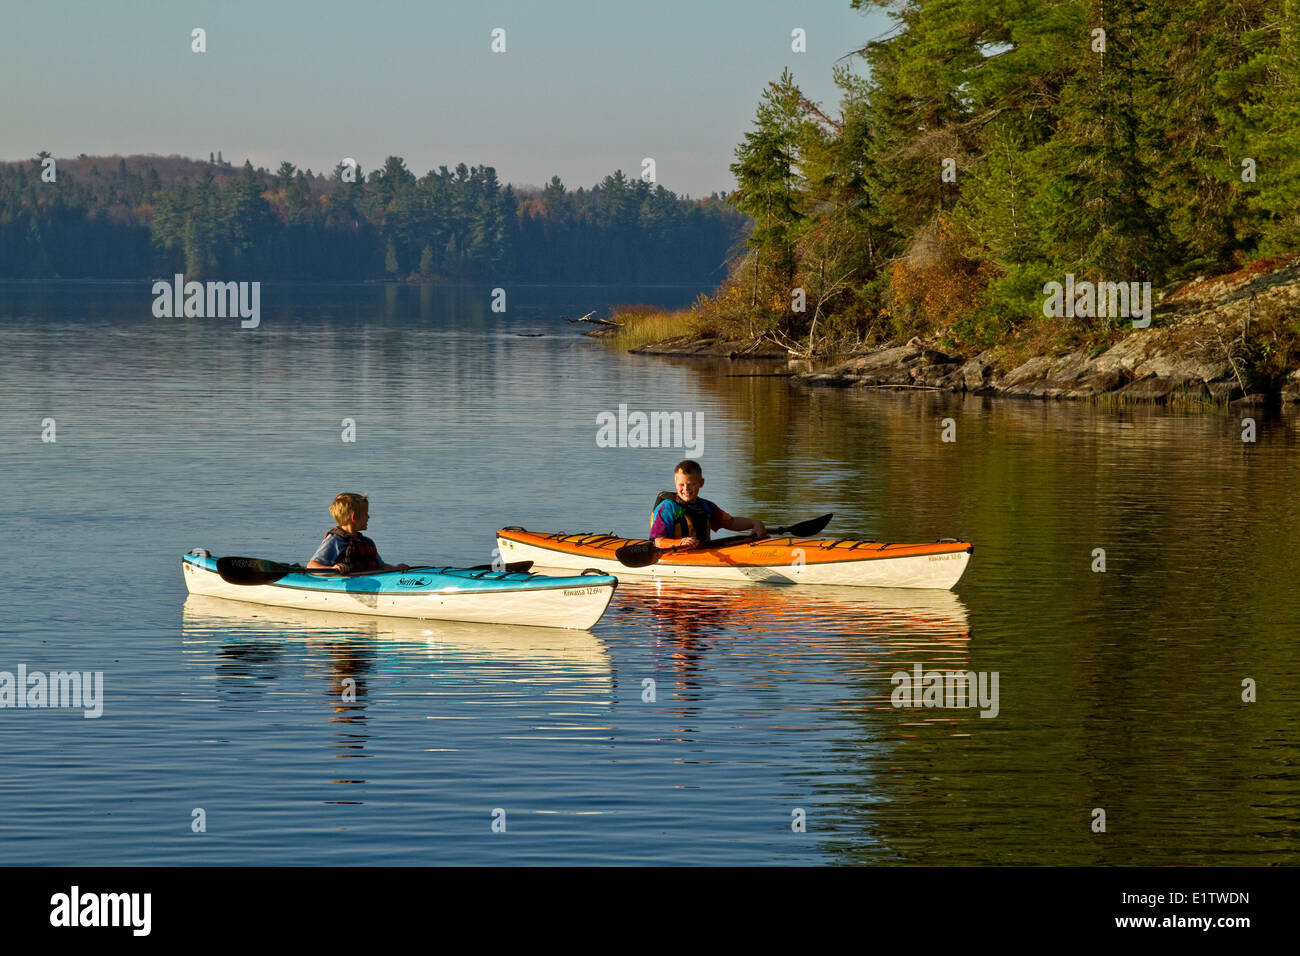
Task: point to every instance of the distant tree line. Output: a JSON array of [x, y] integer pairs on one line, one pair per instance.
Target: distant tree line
[[213, 220]]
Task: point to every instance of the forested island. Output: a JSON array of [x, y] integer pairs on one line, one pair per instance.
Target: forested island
[[1009, 182], [145, 216]]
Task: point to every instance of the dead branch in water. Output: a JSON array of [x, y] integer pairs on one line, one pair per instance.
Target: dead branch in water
[[588, 318]]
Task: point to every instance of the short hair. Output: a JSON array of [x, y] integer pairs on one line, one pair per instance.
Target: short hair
[[689, 467], [345, 506]]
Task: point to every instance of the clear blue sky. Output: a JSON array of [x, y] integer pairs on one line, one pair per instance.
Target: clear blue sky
[[582, 89]]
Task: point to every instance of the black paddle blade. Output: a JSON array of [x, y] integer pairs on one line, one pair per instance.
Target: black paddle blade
[[639, 555], [252, 570], [806, 529]]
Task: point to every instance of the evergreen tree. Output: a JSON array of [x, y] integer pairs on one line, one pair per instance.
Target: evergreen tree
[[768, 180]]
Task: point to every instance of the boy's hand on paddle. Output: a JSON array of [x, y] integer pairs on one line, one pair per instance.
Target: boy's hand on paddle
[[760, 531], [688, 543]]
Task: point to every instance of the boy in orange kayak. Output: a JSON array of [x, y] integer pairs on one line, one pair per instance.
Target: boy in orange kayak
[[685, 520], [345, 549]]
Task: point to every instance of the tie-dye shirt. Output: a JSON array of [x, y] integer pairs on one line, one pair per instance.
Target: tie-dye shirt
[[666, 515]]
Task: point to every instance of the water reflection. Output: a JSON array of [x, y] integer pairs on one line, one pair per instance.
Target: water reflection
[[357, 662], [688, 611], [487, 649], [701, 630]]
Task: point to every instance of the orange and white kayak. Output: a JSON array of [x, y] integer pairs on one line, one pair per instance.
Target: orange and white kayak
[[842, 561]]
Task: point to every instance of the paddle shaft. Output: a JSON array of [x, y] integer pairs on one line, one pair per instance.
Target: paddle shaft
[[800, 529], [714, 545], [646, 553]]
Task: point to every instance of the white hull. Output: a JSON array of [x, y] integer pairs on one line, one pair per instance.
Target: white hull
[[568, 607], [941, 571]]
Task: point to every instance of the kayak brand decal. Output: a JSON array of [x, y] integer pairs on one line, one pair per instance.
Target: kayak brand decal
[[413, 582]]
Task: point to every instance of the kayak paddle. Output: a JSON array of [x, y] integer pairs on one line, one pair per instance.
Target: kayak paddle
[[644, 553], [260, 571]]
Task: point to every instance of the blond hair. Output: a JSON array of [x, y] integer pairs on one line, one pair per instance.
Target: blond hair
[[346, 507]]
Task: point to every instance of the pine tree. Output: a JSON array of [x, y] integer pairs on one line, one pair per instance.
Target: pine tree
[[247, 218], [768, 179], [1266, 130]]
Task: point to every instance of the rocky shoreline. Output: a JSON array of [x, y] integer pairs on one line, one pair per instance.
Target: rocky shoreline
[[1190, 353]]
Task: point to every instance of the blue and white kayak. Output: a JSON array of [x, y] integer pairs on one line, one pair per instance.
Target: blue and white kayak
[[440, 594]]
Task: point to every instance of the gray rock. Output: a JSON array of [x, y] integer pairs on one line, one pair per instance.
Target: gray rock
[[1253, 399], [1291, 387], [977, 374], [1182, 367], [1140, 367], [1028, 375], [1224, 390]]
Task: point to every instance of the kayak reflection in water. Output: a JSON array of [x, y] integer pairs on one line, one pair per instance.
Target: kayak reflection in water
[[345, 549], [683, 629], [685, 520]]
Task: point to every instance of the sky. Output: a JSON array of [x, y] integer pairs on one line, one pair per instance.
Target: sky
[[582, 89]]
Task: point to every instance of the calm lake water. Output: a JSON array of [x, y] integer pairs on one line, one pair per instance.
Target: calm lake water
[[1119, 691]]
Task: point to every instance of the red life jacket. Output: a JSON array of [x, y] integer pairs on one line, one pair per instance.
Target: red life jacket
[[360, 553]]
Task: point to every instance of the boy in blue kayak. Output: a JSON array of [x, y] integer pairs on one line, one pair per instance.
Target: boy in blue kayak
[[345, 549], [685, 520]]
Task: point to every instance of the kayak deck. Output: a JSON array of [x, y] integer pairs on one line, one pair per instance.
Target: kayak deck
[[448, 594], [844, 561]]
